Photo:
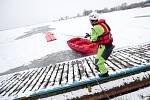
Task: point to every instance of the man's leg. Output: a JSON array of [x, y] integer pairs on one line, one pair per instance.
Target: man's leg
[[101, 60], [108, 50]]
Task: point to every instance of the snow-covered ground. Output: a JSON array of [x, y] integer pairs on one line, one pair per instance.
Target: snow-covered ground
[[127, 29], [142, 94]]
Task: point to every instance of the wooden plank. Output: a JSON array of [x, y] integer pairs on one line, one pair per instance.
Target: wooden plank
[[116, 62], [64, 75], [83, 71], [29, 85], [123, 63], [26, 83], [90, 71], [53, 76], [40, 79], [46, 76], [15, 81], [129, 60], [49, 76], [136, 59], [111, 64], [70, 73], [35, 84], [20, 84], [77, 75], [7, 81], [135, 54], [59, 75], [23, 84], [5, 78]]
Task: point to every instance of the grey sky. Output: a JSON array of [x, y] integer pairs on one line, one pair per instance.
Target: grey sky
[[56, 7], [26, 11]]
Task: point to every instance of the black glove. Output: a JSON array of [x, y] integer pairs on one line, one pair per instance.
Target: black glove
[[87, 35]]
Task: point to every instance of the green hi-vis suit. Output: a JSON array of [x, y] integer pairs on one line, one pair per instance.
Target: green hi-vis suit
[[97, 31]]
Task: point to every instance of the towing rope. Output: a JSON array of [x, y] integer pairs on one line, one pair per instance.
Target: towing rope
[[72, 35]]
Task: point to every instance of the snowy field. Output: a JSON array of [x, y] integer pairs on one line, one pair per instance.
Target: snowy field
[[129, 28]]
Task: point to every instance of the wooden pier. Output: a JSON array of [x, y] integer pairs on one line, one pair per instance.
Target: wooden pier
[[80, 74]]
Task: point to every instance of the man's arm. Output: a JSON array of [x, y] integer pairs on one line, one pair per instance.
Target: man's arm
[[97, 31]]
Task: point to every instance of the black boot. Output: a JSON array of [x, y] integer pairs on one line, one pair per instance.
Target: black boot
[[104, 75], [97, 68]]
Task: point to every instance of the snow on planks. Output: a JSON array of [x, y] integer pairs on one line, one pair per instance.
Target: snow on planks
[[70, 72]]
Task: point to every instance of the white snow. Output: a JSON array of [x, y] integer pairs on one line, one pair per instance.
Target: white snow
[[107, 86], [142, 94], [126, 29]]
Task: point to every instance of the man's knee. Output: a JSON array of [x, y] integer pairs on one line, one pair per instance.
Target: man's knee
[[107, 52], [101, 61]]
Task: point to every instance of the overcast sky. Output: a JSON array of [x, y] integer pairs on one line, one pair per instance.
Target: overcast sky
[[56, 7], [40, 10]]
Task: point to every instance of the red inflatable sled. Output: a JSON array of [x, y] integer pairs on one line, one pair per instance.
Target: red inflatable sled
[[83, 46], [49, 36]]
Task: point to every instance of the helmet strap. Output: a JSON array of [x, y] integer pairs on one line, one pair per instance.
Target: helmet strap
[[93, 22]]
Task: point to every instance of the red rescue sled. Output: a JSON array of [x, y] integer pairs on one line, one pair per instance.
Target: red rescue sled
[[83, 46], [49, 36]]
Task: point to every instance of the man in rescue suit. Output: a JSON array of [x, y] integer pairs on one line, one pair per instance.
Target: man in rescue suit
[[100, 34]]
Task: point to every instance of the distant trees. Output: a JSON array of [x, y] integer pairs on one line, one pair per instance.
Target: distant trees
[[146, 3], [86, 12], [123, 6]]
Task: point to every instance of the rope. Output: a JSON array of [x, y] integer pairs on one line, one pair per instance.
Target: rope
[[72, 35], [98, 84], [102, 89], [101, 86]]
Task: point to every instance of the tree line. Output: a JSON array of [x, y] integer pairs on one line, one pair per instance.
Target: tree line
[[123, 6]]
